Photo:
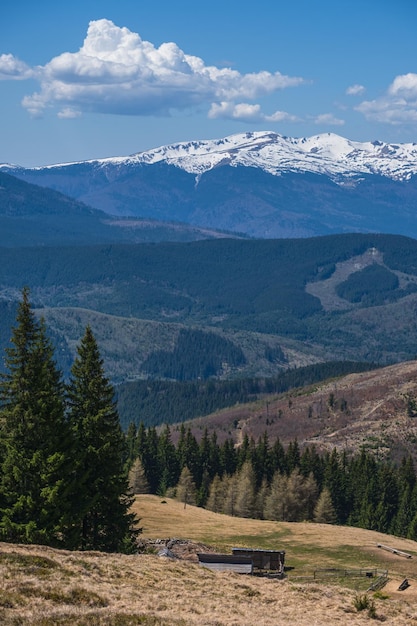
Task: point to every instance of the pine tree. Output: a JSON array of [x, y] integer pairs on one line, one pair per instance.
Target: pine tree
[[217, 495], [324, 512], [245, 491], [361, 477], [167, 462], [292, 458], [261, 461], [188, 453], [277, 457], [387, 506], [36, 468], [103, 505], [150, 460], [228, 457], [137, 478], [131, 449], [186, 490], [276, 502], [335, 481]]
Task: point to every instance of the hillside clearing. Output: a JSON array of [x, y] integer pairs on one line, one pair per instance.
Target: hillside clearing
[[368, 410]]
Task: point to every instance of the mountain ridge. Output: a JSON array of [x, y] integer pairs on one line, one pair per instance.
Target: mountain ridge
[[372, 410], [326, 153], [34, 215], [260, 184]]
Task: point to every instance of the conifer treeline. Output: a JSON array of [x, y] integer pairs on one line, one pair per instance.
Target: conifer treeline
[[267, 481], [156, 402], [62, 479]]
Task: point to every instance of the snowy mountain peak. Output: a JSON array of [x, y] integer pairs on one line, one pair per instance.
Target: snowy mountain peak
[[328, 154]]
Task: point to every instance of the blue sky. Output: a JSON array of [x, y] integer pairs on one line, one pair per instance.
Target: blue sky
[[92, 79]]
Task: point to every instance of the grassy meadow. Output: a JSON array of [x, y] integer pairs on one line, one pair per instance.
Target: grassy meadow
[[46, 587]]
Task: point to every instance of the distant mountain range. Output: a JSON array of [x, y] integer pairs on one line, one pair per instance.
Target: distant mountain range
[[117, 244], [31, 215], [261, 184]]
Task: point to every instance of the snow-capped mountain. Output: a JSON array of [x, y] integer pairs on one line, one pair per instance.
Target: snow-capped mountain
[[259, 183], [327, 154]]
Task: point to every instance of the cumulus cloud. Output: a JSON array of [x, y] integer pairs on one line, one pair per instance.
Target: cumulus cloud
[[405, 86], [115, 71], [229, 110], [281, 116], [12, 68], [355, 90], [328, 119], [397, 106], [245, 112]]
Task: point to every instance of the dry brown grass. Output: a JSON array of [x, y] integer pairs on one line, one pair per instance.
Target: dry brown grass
[[308, 546], [46, 587]]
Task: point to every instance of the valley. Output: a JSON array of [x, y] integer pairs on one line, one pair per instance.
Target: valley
[[227, 308], [258, 294]]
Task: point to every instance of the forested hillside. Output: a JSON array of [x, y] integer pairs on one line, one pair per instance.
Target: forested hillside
[[154, 402], [263, 479], [282, 303], [38, 216]]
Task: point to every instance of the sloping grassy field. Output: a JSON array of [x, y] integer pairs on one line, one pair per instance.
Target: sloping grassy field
[[46, 587], [308, 546]]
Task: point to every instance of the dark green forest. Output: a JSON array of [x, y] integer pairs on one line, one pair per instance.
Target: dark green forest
[[257, 276], [206, 355], [372, 286], [155, 402], [251, 286]]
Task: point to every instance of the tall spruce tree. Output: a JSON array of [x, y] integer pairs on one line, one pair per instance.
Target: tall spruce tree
[[36, 468], [103, 504]]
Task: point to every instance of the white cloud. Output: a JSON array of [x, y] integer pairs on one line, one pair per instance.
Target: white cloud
[[397, 106], [355, 90], [68, 113], [404, 85], [229, 110], [115, 71], [329, 119], [281, 116], [245, 112], [12, 68]]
